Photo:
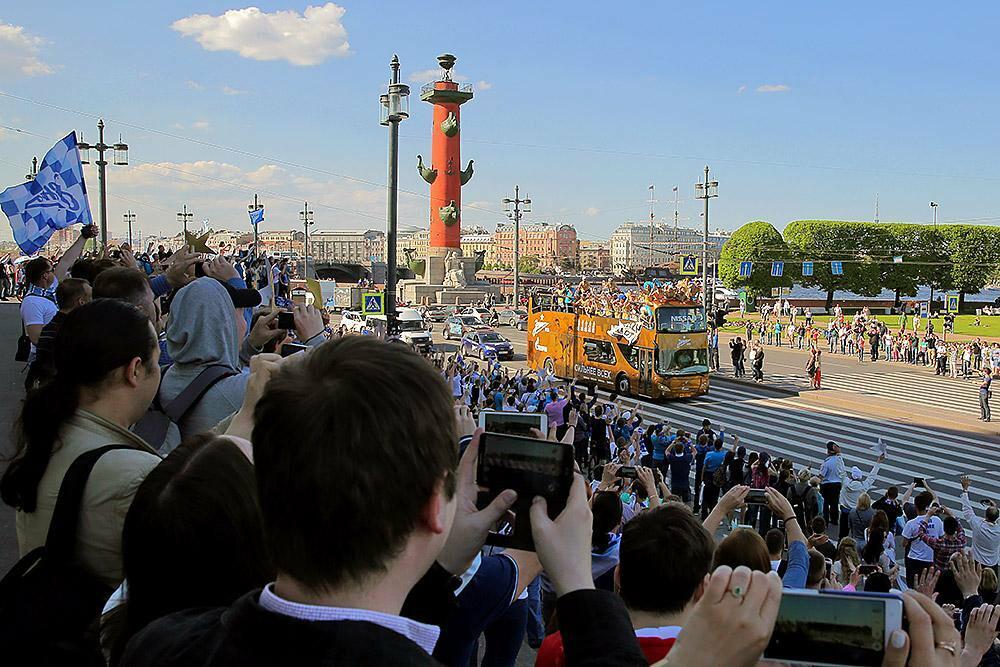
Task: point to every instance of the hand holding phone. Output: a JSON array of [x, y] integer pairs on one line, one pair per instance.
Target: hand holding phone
[[286, 320]]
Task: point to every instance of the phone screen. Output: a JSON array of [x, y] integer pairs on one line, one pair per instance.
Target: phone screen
[[286, 320], [756, 497], [530, 467], [833, 629], [918, 481], [512, 423]]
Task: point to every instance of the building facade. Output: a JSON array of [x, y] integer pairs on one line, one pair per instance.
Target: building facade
[[347, 246], [595, 256], [418, 242], [634, 249], [554, 245], [478, 240]]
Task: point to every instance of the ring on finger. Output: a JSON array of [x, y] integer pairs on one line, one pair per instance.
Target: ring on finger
[[951, 647], [737, 592]]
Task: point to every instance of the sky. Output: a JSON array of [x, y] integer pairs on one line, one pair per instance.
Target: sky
[[802, 110]]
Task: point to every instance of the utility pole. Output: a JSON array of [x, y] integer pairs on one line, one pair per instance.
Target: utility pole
[[676, 212], [514, 208], [395, 109], [876, 208], [652, 200], [706, 190], [120, 158], [306, 216], [183, 216], [30, 176], [255, 206], [129, 217], [930, 303]]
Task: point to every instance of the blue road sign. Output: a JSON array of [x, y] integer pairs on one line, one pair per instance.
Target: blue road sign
[[777, 268], [837, 268], [807, 268], [746, 268], [372, 303], [689, 265]]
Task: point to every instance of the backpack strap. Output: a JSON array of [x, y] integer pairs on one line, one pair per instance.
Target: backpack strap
[[189, 397], [61, 538]]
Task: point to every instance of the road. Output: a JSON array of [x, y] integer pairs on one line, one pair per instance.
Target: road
[[936, 440]]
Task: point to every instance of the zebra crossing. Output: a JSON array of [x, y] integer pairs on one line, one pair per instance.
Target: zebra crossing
[[791, 429], [924, 389]]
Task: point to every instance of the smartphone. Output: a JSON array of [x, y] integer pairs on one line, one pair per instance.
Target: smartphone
[[628, 472], [286, 320], [834, 628], [532, 468], [513, 423], [865, 569], [288, 349], [918, 481], [756, 497]]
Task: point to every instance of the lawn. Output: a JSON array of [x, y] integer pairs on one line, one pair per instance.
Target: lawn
[[989, 324]]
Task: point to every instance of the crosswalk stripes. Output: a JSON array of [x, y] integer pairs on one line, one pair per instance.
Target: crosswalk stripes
[[914, 388], [785, 427]]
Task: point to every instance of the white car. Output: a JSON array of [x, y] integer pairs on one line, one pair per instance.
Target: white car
[[353, 321], [482, 313]]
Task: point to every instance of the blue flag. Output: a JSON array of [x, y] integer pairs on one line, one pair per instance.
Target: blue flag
[[257, 217], [55, 199]]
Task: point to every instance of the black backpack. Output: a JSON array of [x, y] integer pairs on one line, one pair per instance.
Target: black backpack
[[155, 423], [50, 604]]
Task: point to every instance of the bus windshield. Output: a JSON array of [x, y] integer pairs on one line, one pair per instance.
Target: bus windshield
[[681, 362], [410, 325], [672, 319]]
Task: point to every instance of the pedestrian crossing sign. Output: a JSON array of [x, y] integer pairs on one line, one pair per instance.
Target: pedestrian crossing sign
[[837, 268], [807, 268], [746, 268], [952, 303], [689, 265], [372, 303], [777, 268]]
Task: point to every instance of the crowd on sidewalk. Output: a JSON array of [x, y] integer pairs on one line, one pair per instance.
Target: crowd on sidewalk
[[186, 496]]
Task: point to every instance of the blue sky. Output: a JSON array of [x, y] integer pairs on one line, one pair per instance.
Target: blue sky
[[802, 110]]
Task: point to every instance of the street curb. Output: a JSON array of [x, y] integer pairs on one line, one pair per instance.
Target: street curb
[[777, 389]]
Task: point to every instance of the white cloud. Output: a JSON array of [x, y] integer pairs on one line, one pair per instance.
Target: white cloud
[[199, 125], [227, 90], [19, 53], [434, 74], [303, 39], [194, 85], [741, 90], [773, 88], [591, 212], [483, 85]]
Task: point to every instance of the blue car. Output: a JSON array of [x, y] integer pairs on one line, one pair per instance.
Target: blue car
[[487, 344]]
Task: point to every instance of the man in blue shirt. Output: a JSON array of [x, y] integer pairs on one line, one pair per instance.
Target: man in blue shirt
[[831, 473], [714, 460]]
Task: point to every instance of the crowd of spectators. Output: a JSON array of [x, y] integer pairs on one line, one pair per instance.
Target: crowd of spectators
[[321, 508]]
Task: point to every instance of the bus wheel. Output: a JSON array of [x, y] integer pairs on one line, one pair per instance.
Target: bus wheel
[[621, 385], [549, 366]]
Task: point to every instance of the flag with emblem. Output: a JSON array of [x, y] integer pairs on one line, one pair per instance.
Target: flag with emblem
[[257, 217], [55, 199]]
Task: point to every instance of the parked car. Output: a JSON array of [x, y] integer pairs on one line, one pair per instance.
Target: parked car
[[517, 318], [460, 325], [438, 312], [482, 313], [352, 320], [484, 344]]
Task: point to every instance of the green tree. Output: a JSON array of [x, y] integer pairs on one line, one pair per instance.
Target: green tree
[[758, 242], [974, 252], [528, 264]]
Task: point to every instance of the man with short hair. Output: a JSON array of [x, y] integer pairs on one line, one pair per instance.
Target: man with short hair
[[775, 541], [819, 540], [985, 533], [817, 570], [919, 554], [832, 473], [664, 555], [362, 499], [71, 293]]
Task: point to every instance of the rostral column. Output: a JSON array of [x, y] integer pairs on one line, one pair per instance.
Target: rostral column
[[444, 174]]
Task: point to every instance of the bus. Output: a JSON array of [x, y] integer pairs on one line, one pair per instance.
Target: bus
[[664, 358]]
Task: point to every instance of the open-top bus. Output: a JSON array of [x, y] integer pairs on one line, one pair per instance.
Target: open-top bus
[[666, 357]]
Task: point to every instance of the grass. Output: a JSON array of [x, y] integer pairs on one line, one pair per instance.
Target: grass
[[989, 324]]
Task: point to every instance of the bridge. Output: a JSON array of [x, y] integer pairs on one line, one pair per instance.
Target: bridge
[[351, 273]]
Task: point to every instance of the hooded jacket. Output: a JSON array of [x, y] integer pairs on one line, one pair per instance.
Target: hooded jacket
[[202, 332]]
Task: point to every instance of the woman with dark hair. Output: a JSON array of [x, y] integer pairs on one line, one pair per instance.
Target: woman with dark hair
[[198, 506], [606, 507], [103, 384]]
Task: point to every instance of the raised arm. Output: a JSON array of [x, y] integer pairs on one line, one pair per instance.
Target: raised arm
[[873, 475], [72, 254]]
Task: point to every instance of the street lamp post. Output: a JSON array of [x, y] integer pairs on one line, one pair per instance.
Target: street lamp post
[[255, 206], [394, 108], [930, 303], [30, 176], [705, 190], [129, 218], [120, 158], [514, 208], [306, 216], [183, 216]]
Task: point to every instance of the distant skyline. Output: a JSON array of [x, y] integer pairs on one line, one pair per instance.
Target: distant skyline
[[802, 111]]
